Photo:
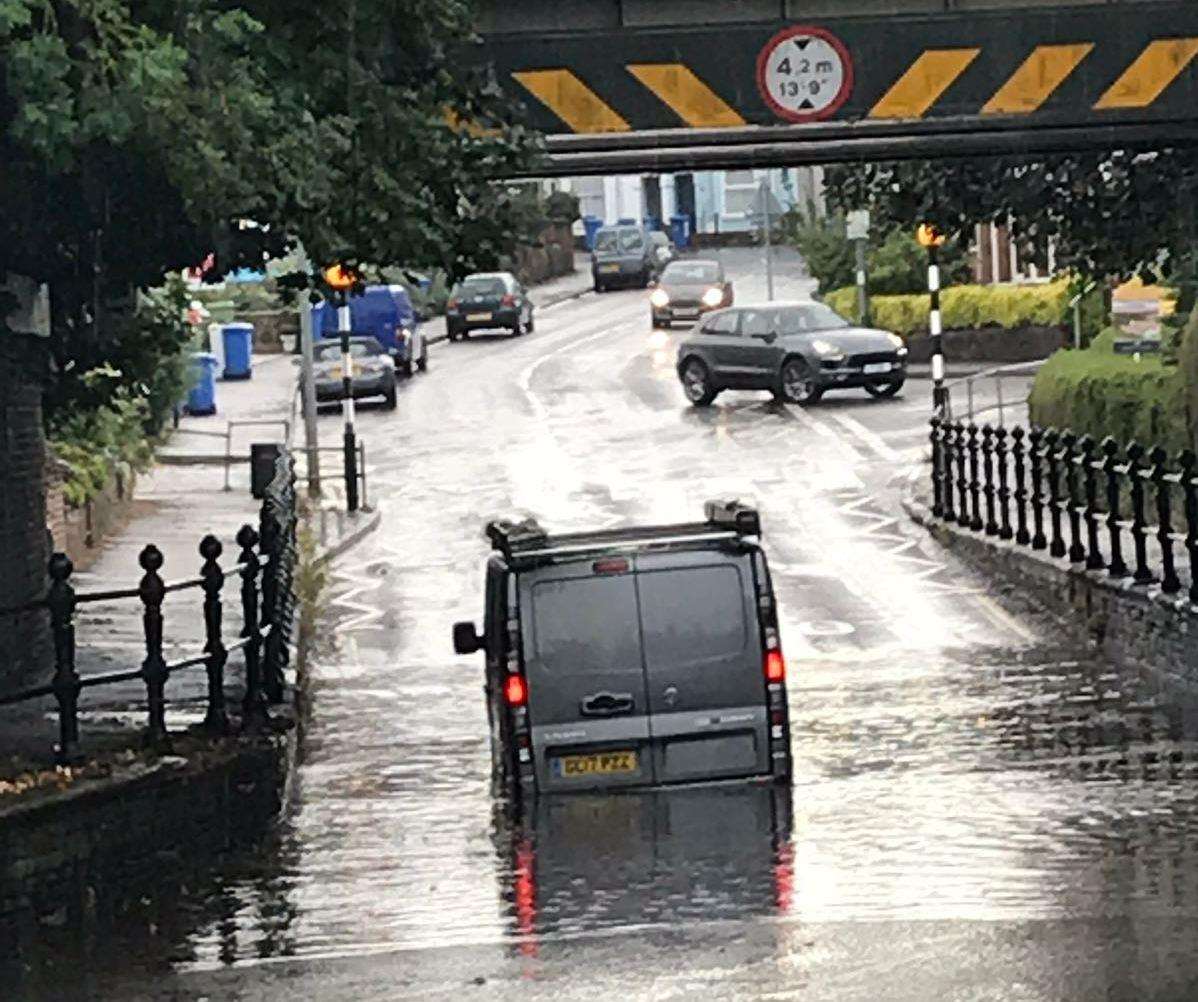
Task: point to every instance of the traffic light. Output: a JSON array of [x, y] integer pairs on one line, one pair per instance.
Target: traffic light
[[929, 236], [341, 277]]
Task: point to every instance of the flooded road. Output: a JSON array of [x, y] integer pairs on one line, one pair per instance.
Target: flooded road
[[979, 810]]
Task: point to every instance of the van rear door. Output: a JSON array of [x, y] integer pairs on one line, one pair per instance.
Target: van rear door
[[703, 664], [586, 679]]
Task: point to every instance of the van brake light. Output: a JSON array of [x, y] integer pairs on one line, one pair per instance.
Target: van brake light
[[775, 667], [515, 690]]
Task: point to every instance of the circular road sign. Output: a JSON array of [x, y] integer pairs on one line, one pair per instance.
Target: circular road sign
[[804, 74]]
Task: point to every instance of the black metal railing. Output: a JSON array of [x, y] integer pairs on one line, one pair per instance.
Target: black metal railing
[[266, 569], [1096, 503]]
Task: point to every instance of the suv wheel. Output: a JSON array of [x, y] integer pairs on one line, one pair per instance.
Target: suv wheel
[[797, 383], [517, 327], [529, 326], [696, 383], [390, 399]]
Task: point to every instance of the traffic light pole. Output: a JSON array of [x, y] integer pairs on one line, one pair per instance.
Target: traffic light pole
[[347, 406], [939, 396]]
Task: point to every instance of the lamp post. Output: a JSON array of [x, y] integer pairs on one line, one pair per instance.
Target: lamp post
[[341, 279], [931, 239]]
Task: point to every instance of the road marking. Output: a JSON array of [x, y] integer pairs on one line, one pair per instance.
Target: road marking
[[923, 83], [1035, 81], [871, 439], [1146, 79], [572, 101], [688, 96]]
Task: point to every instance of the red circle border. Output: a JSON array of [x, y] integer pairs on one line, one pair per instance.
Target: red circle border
[[846, 87]]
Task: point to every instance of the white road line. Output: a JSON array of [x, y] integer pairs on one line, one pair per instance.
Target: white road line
[[871, 439]]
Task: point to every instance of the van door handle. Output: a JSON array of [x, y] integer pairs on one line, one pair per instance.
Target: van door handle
[[607, 704]]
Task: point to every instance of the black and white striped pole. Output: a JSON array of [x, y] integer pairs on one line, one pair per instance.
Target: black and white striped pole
[[932, 240], [342, 279]]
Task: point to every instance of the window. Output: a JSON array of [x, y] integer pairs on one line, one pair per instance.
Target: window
[[692, 615], [583, 624], [757, 322], [482, 285], [721, 323], [330, 350], [742, 193], [809, 317], [692, 273]]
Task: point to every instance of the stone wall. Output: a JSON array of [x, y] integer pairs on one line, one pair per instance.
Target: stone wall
[[1135, 626], [24, 639], [76, 859], [553, 258], [991, 344]]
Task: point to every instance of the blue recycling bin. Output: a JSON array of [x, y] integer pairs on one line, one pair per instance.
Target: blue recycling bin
[[591, 226], [652, 223], [680, 229], [201, 399], [239, 350]]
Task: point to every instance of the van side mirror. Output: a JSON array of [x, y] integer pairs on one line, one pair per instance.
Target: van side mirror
[[466, 639]]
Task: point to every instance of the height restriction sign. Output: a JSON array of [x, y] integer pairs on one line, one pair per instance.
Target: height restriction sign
[[804, 74]]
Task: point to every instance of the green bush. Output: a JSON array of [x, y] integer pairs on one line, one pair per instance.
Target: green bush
[[964, 307], [1096, 392], [896, 263]]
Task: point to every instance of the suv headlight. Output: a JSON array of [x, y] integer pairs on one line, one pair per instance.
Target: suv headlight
[[826, 349], [659, 298], [713, 297]]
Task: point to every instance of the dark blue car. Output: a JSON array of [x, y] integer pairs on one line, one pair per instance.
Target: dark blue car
[[384, 312]]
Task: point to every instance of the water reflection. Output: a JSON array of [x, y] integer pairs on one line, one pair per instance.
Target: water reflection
[[589, 862]]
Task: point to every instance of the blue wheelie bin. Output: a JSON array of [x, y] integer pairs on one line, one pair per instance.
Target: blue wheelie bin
[[681, 230], [239, 350], [202, 397], [591, 225]]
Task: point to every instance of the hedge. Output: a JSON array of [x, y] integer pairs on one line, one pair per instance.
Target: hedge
[[1096, 392], [964, 307]]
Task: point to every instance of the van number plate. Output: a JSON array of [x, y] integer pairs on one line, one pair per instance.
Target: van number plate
[[597, 764]]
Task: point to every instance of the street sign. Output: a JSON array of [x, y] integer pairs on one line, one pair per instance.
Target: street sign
[[858, 224], [804, 74]]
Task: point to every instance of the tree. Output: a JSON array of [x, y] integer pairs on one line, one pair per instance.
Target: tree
[[139, 134], [1109, 216]]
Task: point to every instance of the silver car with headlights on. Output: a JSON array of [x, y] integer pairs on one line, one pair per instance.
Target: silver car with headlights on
[[373, 371], [687, 289], [795, 350]]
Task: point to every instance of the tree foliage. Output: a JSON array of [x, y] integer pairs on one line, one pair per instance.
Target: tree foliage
[[1110, 215], [139, 135]]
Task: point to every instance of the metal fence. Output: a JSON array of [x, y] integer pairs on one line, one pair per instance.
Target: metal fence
[[1092, 502], [266, 570]]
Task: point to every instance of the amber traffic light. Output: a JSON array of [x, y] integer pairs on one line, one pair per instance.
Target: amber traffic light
[[929, 236], [340, 277]]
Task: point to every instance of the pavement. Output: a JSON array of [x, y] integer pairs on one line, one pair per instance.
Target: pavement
[[980, 809], [178, 502]]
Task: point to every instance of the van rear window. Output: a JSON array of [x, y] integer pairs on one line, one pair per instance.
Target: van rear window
[[584, 623], [692, 614]]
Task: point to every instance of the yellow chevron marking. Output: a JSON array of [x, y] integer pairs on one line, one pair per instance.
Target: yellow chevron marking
[[571, 100], [1146, 78], [1033, 83], [690, 98], [921, 86]]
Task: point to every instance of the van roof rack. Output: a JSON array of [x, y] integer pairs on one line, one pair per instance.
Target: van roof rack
[[724, 521]]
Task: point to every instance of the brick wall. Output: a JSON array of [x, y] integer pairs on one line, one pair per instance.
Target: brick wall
[[24, 640]]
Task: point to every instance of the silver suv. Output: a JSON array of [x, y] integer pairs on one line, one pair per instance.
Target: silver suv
[[632, 657]]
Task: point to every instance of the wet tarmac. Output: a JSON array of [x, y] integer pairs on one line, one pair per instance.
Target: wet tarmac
[[979, 811]]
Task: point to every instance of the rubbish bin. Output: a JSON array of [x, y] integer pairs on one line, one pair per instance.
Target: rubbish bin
[[680, 227], [591, 225], [202, 397], [652, 223], [264, 457], [239, 350]]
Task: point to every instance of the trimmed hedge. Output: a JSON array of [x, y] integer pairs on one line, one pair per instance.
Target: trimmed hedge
[[964, 307], [1096, 392]]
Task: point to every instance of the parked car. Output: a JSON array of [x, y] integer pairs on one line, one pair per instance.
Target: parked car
[[384, 312], [687, 290], [632, 657], [797, 351], [490, 301], [622, 255], [373, 370]]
